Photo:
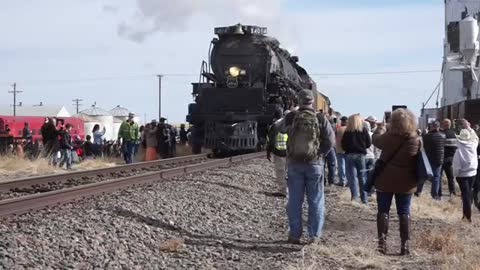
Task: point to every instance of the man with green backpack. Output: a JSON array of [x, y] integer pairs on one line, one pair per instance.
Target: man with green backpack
[[310, 137]]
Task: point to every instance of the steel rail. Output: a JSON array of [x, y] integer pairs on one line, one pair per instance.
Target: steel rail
[[41, 200], [6, 186]]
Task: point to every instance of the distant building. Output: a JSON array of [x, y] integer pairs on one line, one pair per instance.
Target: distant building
[[111, 120], [35, 110], [96, 115]]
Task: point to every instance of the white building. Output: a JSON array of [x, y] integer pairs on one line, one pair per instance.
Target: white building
[[95, 115], [460, 67], [36, 110]]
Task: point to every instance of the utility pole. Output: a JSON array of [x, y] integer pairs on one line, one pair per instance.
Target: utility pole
[[159, 96], [15, 92], [77, 103]]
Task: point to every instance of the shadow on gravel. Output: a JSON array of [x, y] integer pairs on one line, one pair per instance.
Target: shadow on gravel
[[229, 186], [211, 240]]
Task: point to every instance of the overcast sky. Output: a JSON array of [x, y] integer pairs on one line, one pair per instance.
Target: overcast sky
[[108, 51]]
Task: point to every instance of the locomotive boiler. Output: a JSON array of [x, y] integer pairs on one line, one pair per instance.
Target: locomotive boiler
[[248, 77]]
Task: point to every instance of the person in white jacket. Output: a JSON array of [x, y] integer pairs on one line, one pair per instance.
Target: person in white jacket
[[465, 165]]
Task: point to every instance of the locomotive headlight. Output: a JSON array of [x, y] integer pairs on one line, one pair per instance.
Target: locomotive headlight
[[234, 71]]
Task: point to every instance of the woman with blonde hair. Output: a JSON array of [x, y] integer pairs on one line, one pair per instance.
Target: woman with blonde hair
[[400, 145], [355, 142]]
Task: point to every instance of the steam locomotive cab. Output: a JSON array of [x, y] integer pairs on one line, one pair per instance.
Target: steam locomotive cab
[[248, 77]]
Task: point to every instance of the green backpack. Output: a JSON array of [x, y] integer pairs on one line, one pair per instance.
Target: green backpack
[[304, 136]]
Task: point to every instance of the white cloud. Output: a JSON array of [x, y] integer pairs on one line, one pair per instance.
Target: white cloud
[[152, 16]]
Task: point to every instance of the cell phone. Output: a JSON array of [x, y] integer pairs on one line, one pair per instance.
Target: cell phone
[[387, 116]]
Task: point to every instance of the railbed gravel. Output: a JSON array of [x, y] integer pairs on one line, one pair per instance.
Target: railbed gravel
[[224, 218]]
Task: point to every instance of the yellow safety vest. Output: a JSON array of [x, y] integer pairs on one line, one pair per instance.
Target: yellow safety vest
[[281, 141]]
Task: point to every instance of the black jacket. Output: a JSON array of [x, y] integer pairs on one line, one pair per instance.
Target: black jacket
[[66, 142], [356, 142], [49, 133], [183, 135], [434, 144], [450, 144]]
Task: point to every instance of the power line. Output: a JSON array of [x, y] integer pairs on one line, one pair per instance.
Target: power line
[[374, 73], [166, 75]]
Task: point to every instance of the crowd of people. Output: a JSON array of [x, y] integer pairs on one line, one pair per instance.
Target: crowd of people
[[311, 150], [134, 143]]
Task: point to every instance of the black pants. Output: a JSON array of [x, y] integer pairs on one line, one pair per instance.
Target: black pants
[[476, 190], [466, 187], [447, 167]]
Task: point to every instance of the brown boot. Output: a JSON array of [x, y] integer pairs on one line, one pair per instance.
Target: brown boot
[[382, 229], [405, 234]]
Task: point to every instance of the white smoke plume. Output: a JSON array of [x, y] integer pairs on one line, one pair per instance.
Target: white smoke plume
[[152, 16]]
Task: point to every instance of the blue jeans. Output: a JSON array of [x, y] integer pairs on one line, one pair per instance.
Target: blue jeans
[[369, 163], [341, 168], [128, 151], [66, 158], [402, 201], [466, 187], [355, 166], [331, 161], [437, 177], [97, 150], [305, 178]]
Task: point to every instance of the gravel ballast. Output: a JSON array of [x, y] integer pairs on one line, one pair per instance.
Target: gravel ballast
[[224, 218]]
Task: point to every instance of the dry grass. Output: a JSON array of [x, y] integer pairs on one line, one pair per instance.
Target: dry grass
[[445, 241], [12, 167], [172, 245], [183, 150], [450, 250], [341, 257], [448, 210], [452, 244]]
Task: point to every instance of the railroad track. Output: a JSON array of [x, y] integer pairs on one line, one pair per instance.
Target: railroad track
[[13, 188], [41, 200]]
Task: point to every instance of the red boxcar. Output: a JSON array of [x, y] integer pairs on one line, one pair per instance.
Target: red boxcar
[[16, 125]]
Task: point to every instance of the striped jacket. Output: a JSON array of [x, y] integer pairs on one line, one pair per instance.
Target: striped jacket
[[450, 144]]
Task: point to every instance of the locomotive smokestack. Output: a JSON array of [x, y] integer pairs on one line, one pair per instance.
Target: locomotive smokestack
[[238, 30]]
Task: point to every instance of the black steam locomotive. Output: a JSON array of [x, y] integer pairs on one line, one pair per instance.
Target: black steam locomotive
[[247, 78]]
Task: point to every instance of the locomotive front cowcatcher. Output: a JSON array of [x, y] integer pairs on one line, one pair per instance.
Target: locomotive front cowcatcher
[[247, 78]]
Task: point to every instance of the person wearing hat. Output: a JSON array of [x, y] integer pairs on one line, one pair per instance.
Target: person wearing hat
[[129, 135], [434, 144], [372, 120], [277, 145], [310, 137], [465, 166]]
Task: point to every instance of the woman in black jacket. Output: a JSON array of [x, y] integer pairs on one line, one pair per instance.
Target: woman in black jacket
[[355, 142]]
